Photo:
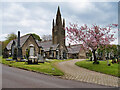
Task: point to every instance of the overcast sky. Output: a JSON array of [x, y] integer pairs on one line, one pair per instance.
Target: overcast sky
[[36, 17]]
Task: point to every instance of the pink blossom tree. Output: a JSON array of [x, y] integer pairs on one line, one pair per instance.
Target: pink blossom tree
[[91, 37]]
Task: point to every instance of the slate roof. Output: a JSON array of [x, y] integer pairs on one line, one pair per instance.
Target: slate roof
[[46, 45], [54, 47], [74, 48], [22, 41]]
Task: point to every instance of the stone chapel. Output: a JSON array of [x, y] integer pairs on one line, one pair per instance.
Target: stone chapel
[[52, 49]]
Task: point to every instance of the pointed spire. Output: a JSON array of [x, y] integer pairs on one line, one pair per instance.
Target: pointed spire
[[53, 23], [58, 17], [63, 22], [58, 11]]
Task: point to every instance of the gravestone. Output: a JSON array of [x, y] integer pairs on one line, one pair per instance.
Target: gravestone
[[32, 58], [57, 54], [14, 54], [41, 59], [12, 47], [5, 53]]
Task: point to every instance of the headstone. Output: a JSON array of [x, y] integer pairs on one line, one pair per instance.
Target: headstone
[[15, 54], [12, 47], [41, 59], [5, 53], [32, 58]]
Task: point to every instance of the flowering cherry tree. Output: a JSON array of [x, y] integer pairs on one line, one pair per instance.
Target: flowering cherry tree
[[91, 37]]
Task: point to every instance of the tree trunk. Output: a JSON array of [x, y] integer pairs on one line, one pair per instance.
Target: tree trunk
[[103, 55], [94, 55]]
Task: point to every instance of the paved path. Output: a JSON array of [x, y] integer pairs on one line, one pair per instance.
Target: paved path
[[18, 78], [73, 72]]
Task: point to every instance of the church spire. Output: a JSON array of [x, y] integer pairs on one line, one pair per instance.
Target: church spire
[[58, 17], [53, 23], [58, 11]]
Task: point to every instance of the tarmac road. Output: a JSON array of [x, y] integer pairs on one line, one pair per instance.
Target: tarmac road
[[18, 78]]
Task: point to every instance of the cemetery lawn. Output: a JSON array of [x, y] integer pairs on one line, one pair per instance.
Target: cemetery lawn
[[102, 67], [46, 68]]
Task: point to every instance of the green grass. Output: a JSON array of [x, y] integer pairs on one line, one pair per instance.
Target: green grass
[[102, 67], [46, 68]]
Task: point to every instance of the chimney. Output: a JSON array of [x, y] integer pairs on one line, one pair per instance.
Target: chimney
[[18, 39]]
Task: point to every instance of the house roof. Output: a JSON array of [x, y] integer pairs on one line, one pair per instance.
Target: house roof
[[74, 48], [47, 45], [54, 47], [22, 41]]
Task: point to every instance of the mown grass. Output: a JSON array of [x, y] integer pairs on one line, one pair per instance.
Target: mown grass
[[102, 67], [46, 68]]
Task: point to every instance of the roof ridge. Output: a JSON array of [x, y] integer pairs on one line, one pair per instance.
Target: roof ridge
[[45, 41], [25, 35], [21, 36], [75, 45]]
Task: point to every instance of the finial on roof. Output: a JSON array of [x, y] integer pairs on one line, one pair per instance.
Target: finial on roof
[[58, 11], [53, 22], [63, 22]]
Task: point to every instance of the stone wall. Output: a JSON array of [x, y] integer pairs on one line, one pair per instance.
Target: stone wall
[[29, 41], [82, 54]]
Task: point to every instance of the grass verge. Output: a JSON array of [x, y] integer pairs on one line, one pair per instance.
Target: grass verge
[[46, 68], [102, 67]]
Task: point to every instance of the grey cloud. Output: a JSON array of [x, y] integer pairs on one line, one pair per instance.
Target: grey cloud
[[37, 17]]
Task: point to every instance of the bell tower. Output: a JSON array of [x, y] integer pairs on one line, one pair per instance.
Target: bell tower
[[58, 32]]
